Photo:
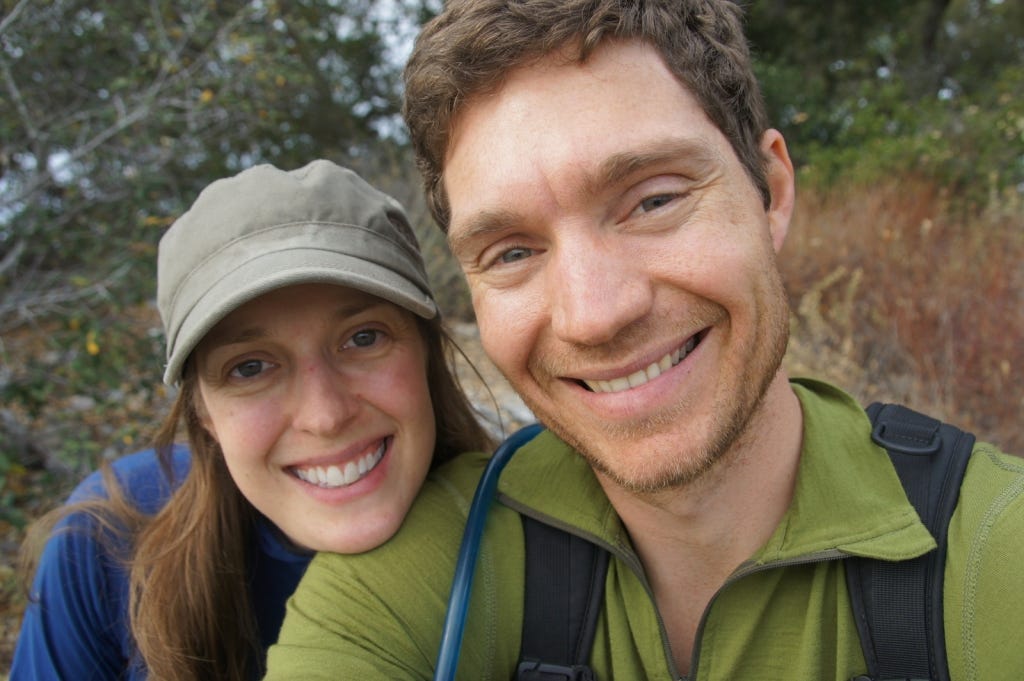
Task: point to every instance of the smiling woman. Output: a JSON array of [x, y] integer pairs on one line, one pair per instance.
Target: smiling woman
[[317, 395], [312, 365]]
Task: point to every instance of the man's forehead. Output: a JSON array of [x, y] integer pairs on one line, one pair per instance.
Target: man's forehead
[[695, 158], [639, 58], [616, 114]]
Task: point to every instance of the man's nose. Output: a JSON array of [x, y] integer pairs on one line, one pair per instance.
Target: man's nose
[[596, 289]]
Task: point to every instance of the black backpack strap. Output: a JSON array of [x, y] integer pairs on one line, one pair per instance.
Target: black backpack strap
[[898, 605], [564, 593]]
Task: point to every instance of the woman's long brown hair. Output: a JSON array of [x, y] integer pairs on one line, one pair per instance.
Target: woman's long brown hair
[[190, 609]]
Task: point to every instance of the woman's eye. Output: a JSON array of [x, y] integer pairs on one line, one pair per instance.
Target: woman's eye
[[364, 338], [248, 368]]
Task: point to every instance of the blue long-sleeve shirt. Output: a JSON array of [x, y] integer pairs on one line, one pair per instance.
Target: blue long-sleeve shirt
[[75, 627]]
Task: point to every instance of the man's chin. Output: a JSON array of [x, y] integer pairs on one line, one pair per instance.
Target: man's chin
[[636, 462], [653, 476]]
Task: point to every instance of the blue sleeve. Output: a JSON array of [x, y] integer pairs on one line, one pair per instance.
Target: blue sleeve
[[75, 626]]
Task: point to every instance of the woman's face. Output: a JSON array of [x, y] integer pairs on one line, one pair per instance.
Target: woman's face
[[318, 397]]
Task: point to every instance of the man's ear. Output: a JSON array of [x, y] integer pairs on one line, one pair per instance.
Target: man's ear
[[781, 184]]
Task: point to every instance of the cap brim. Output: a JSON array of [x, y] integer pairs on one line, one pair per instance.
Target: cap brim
[[275, 270]]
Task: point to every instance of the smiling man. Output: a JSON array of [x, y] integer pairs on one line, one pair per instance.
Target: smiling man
[[622, 264], [611, 188]]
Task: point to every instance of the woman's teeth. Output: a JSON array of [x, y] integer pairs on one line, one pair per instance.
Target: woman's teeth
[[342, 476], [644, 375]]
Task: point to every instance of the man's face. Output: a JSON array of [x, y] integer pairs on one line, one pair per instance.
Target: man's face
[[621, 262]]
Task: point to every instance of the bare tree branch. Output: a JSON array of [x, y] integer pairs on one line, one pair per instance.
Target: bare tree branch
[[11, 259], [170, 74], [19, 101], [16, 310], [9, 19]]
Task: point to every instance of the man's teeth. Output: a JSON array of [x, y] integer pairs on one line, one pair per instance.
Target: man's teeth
[[650, 373], [341, 476]]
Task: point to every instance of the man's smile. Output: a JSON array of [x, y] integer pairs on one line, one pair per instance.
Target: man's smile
[[652, 371]]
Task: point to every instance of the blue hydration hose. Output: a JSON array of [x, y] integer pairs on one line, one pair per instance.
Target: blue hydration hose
[[462, 583]]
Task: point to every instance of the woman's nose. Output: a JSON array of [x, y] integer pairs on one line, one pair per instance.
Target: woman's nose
[[324, 402]]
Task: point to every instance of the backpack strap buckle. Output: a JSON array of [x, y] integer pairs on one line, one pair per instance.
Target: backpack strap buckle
[[905, 431], [533, 670]]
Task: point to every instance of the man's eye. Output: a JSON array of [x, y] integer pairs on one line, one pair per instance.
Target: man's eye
[[655, 202], [515, 254], [364, 338], [248, 368]]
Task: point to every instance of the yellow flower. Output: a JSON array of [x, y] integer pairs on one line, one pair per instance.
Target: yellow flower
[[91, 346]]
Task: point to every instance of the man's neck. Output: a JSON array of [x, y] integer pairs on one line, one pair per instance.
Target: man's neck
[[691, 539]]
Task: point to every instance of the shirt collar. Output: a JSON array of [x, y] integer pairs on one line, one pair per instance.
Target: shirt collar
[[847, 496]]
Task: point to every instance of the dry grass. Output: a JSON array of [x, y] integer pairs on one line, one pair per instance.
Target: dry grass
[[900, 295]]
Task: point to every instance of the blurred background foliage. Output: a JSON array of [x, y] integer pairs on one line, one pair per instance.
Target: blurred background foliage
[[113, 118], [871, 88], [114, 115]]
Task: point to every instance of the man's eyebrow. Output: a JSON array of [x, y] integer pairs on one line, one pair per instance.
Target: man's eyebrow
[[694, 153], [480, 225]]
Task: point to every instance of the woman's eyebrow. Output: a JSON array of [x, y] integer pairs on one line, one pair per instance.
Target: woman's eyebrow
[[251, 333], [359, 306], [245, 335]]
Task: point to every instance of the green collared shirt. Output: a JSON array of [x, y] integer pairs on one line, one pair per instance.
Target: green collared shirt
[[783, 614]]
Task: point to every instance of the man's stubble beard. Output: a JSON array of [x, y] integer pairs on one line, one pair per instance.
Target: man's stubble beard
[[729, 425]]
